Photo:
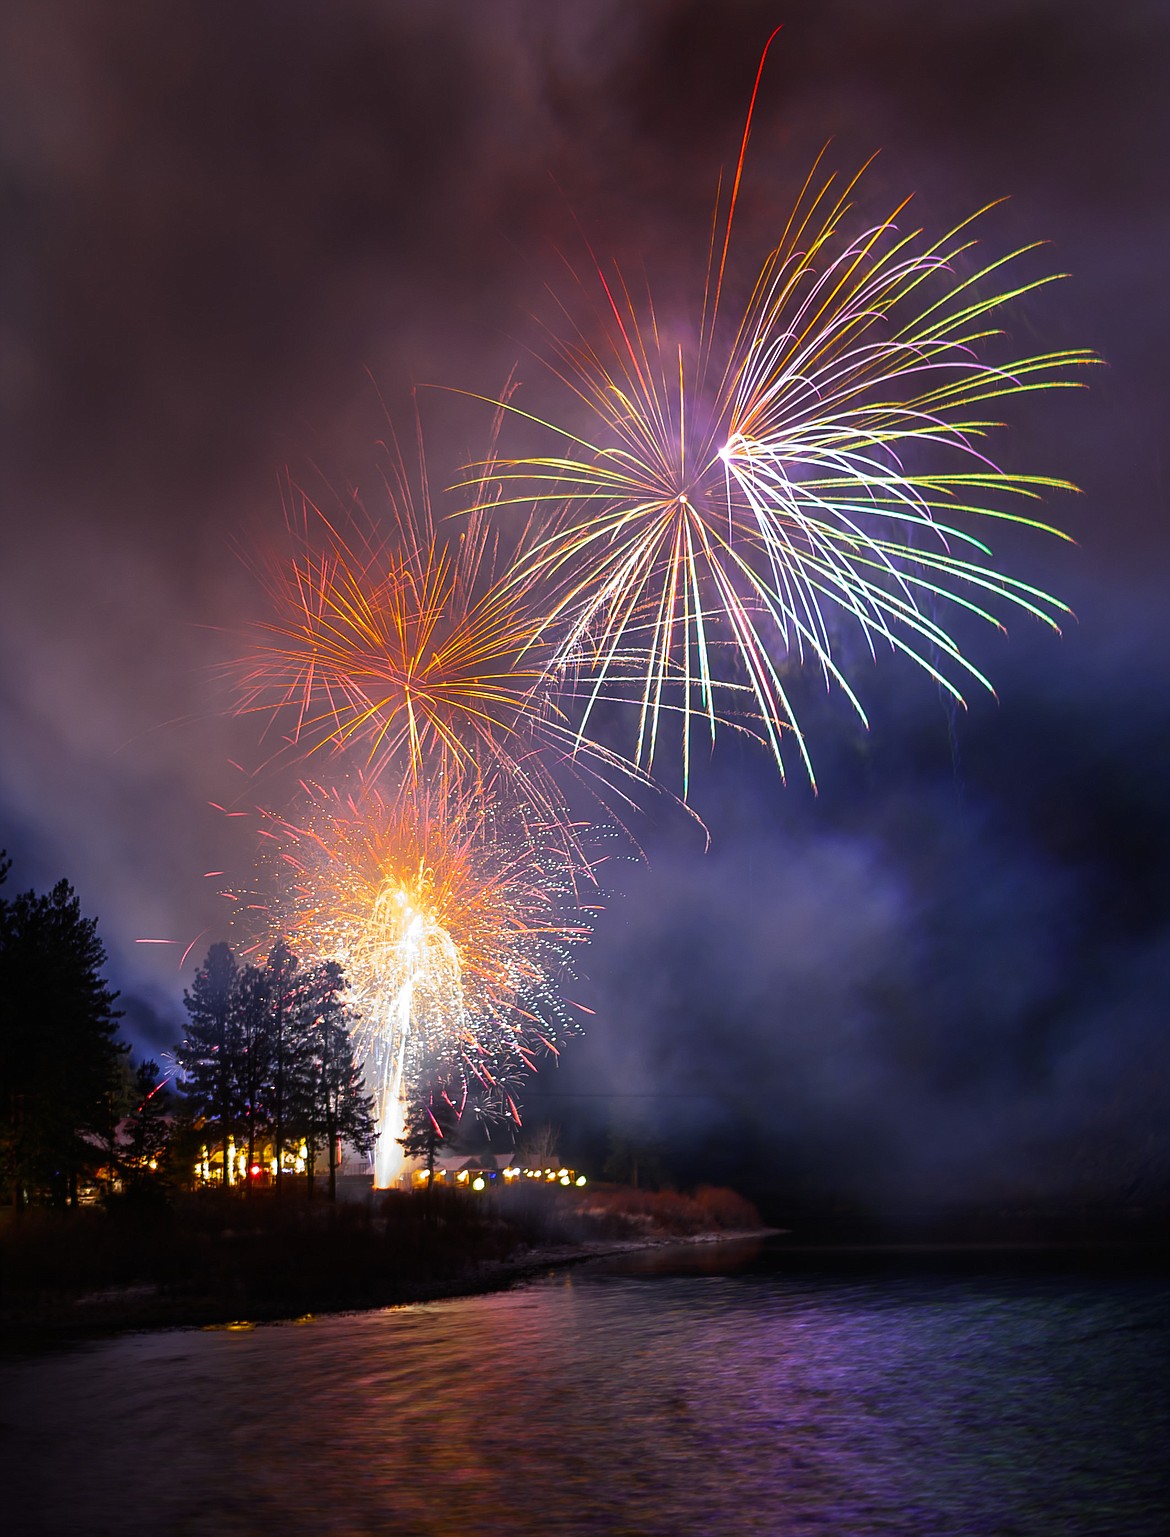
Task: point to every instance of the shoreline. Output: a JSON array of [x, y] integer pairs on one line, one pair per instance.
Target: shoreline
[[143, 1308], [49, 1320]]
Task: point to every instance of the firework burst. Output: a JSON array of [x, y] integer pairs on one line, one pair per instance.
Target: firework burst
[[449, 921], [749, 496], [394, 641], [416, 651]]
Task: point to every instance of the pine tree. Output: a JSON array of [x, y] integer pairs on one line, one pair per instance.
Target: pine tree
[[252, 1066], [339, 1106], [207, 1054], [118, 1102], [431, 1118], [146, 1131], [58, 1052], [286, 1028]]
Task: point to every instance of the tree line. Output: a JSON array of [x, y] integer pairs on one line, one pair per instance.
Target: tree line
[[268, 1057]]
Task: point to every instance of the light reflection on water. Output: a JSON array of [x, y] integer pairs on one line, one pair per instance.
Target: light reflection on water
[[604, 1400]]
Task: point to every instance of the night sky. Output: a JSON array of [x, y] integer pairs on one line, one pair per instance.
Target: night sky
[[233, 230]]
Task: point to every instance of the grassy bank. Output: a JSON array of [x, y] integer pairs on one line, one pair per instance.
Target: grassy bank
[[216, 1259]]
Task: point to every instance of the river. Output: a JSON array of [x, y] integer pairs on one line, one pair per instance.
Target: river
[[725, 1390]]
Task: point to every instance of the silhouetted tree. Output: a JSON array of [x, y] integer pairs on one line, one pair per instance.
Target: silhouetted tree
[[206, 1056], [286, 1028], [634, 1160], [252, 1066], [58, 1052], [119, 1101], [146, 1130], [431, 1118], [338, 1104]]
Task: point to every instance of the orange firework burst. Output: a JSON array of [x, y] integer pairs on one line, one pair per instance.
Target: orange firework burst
[[399, 642], [448, 920], [419, 651]]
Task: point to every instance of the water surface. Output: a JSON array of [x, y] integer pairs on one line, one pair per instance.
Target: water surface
[[712, 1394]]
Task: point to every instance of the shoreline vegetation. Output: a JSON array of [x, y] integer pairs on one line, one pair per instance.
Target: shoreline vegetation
[[208, 1260]]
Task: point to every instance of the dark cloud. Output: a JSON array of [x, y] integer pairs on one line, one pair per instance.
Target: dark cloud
[[218, 217]]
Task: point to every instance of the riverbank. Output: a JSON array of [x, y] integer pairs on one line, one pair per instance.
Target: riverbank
[[213, 1261]]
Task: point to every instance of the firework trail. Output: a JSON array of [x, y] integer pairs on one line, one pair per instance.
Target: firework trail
[[449, 922], [746, 498]]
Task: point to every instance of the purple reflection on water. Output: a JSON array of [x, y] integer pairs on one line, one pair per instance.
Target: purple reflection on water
[[603, 1402]]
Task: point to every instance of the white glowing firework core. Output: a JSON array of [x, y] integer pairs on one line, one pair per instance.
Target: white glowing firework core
[[410, 979]]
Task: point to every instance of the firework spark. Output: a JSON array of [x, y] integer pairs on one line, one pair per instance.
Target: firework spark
[[448, 921], [750, 496]]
